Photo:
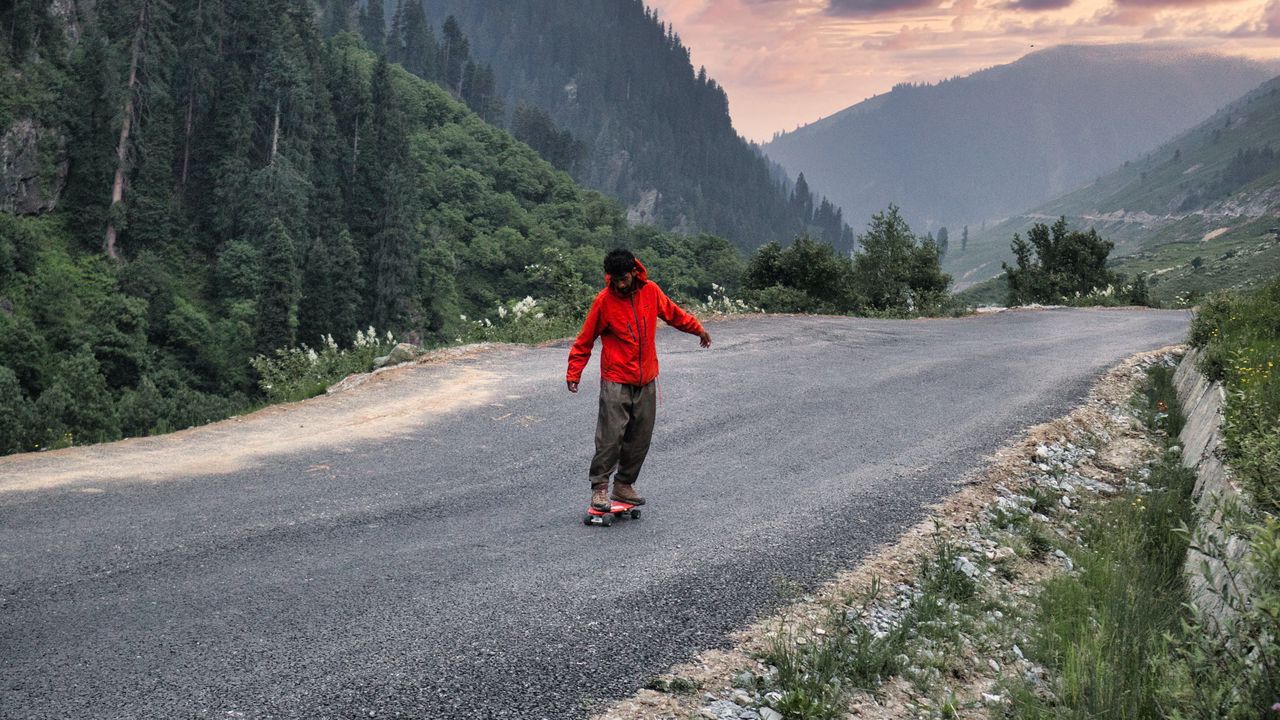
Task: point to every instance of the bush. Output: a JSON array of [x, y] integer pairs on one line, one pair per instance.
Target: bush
[[301, 372]]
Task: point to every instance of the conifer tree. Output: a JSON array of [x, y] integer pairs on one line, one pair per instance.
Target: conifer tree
[[373, 26], [278, 292], [420, 47], [331, 290]]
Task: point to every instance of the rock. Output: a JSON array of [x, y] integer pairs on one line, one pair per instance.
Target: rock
[[768, 713], [1042, 452], [1066, 501], [994, 665], [404, 352], [720, 710], [348, 382], [990, 699], [33, 168], [773, 698], [1018, 651], [742, 698], [745, 680], [746, 714]]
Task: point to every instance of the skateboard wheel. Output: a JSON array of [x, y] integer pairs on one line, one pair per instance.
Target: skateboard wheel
[[586, 519], [607, 520], [635, 514]]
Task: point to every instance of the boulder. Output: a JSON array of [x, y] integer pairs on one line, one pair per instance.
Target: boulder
[[33, 168]]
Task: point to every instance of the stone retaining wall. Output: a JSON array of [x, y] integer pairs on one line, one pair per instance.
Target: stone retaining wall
[[1202, 450]]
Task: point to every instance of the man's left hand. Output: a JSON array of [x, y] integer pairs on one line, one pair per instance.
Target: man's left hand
[[704, 338]]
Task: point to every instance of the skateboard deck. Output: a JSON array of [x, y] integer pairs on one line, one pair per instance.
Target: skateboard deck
[[606, 517]]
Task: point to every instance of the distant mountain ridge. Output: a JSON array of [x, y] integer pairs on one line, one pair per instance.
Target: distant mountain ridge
[[1196, 214], [1012, 136]]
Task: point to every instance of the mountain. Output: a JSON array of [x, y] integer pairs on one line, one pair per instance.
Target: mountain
[[653, 131], [186, 185], [1197, 214], [1001, 140]]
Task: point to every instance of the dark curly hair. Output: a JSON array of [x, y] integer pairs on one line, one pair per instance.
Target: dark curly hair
[[619, 261]]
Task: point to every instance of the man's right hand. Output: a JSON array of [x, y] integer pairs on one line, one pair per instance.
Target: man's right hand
[[573, 386]]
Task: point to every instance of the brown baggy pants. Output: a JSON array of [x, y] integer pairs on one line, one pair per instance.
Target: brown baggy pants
[[624, 429]]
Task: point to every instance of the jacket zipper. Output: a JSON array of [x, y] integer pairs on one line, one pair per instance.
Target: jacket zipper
[[639, 342]]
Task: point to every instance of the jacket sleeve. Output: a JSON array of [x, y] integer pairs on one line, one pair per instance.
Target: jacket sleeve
[[580, 353], [675, 316]]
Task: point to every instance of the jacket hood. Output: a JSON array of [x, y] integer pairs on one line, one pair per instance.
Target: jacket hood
[[642, 275]]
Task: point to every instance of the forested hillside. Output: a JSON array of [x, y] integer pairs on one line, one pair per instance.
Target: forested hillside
[[977, 148], [188, 184], [1197, 214], [607, 90]]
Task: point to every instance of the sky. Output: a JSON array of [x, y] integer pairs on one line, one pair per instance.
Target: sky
[[785, 63]]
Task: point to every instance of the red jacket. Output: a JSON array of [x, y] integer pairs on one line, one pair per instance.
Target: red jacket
[[626, 326]]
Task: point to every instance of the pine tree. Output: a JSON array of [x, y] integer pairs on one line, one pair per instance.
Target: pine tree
[[331, 290], [455, 51], [964, 239], [373, 26], [278, 293], [420, 47], [943, 241]]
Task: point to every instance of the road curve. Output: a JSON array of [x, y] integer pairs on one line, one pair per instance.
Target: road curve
[[436, 564]]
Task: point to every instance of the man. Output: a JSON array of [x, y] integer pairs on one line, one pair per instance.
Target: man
[[625, 315]]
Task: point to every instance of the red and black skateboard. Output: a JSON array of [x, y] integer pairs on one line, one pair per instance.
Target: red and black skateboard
[[617, 509]]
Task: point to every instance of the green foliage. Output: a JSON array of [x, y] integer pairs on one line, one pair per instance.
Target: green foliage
[[298, 373], [77, 408], [897, 271], [1055, 264], [1228, 665], [16, 415], [1240, 339], [808, 276]]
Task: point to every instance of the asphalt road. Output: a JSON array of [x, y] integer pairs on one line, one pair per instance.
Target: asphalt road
[[444, 571]]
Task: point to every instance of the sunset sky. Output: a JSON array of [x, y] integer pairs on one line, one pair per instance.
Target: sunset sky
[[788, 62]]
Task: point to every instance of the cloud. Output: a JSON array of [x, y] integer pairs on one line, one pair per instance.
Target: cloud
[[1168, 3], [1038, 5], [869, 8]]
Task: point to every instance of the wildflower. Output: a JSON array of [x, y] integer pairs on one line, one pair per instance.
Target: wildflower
[[502, 311], [463, 318], [312, 357]]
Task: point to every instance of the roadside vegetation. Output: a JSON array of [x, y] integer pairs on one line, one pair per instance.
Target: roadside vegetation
[[1240, 337], [1056, 265]]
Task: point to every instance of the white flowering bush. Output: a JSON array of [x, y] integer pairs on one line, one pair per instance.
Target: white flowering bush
[[303, 372], [519, 321], [719, 303]]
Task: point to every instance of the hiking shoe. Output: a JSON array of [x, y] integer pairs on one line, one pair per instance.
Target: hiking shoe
[[623, 492], [600, 498]]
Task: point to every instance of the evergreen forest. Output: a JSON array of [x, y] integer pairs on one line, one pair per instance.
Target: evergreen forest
[[642, 124], [200, 197]]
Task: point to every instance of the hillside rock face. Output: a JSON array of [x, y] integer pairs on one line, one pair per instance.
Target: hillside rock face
[[33, 168]]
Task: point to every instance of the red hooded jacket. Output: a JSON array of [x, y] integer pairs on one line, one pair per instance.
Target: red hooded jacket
[[626, 325]]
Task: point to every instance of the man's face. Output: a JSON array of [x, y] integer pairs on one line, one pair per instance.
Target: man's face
[[623, 283]]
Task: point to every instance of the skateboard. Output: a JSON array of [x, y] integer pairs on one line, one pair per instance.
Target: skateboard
[[603, 517]]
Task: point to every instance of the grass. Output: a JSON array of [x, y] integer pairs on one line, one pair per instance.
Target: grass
[[1102, 629], [817, 672], [1240, 339]]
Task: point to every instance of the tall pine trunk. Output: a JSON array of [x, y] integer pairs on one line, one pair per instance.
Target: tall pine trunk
[[122, 148]]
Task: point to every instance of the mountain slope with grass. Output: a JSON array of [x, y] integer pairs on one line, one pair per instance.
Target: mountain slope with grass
[[1010, 137], [1196, 214]]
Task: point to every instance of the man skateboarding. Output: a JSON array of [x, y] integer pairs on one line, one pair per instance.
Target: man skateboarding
[[625, 316]]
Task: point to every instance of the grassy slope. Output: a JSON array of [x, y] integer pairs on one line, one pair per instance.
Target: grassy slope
[[1138, 207]]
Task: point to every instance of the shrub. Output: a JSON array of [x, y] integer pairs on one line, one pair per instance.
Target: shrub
[[301, 372]]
